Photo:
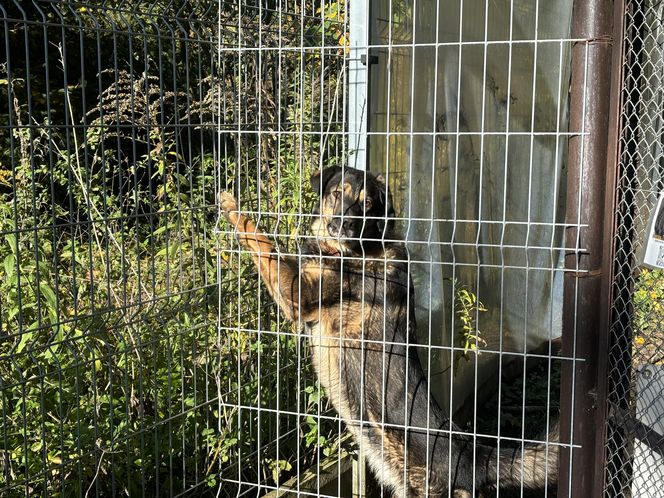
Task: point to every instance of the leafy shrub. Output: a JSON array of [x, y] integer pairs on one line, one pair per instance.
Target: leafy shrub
[[130, 333]]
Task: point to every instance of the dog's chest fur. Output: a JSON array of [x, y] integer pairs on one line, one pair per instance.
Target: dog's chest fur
[[358, 332]]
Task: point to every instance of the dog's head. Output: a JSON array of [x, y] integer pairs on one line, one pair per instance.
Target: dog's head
[[354, 210]]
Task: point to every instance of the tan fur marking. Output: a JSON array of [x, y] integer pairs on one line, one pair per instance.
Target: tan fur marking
[[280, 274], [348, 189], [344, 327], [327, 208], [328, 244]]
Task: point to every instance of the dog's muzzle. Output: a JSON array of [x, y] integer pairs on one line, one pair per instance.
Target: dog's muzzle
[[337, 228]]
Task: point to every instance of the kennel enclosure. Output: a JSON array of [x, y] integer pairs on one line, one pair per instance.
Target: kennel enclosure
[[141, 355]]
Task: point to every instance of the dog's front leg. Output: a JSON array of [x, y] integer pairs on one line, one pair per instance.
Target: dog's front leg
[[281, 275]]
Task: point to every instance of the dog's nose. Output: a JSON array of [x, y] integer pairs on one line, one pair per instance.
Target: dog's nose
[[333, 227], [336, 228]]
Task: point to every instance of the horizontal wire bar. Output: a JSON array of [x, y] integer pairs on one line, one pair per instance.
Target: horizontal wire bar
[[410, 45], [469, 264], [383, 425], [432, 134], [412, 344], [409, 219]]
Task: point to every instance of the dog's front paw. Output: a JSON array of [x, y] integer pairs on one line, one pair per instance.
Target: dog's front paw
[[227, 202]]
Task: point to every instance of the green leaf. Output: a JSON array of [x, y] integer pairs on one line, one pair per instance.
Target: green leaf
[[49, 295], [25, 338], [10, 264], [11, 240]]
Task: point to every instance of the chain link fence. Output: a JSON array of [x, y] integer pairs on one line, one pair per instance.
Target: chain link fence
[[635, 446]]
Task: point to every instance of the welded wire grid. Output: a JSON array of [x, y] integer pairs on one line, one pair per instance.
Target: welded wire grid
[[467, 119], [635, 462], [281, 120], [140, 352], [108, 316]]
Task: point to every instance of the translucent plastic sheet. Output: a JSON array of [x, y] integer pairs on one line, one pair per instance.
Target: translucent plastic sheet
[[468, 116]]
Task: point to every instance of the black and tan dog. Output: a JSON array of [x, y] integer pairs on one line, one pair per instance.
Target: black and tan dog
[[352, 293]]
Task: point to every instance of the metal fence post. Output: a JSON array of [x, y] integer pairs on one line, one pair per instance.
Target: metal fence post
[[358, 82], [595, 87]]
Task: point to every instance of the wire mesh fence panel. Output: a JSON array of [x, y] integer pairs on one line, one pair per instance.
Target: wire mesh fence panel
[[200, 296], [371, 306], [281, 119], [108, 317], [635, 449]]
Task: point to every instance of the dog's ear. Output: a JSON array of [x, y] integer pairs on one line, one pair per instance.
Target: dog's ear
[[386, 201], [320, 179], [384, 193]]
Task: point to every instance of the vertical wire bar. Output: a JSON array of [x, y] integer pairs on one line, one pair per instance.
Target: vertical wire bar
[[93, 223], [72, 177], [40, 278], [122, 219], [33, 232], [15, 266], [528, 231], [321, 138], [409, 210], [147, 28], [278, 163], [206, 242], [133, 103], [107, 254], [553, 261], [154, 29], [253, 56], [502, 244], [340, 343], [184, 39], [300, 409], [220, 179], [183, 190], [432, 214], [343, 153], [321, 48], [387, 154], [51, 162], [478, 256], [14, 121], [455, 192], [361, 163], [238, 179]]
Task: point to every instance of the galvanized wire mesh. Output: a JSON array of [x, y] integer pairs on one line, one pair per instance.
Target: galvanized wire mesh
[[281, 119], [467, 119], [139, 351], [635, 462]]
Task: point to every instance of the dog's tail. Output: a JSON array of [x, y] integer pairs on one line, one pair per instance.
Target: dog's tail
[[533, 467]]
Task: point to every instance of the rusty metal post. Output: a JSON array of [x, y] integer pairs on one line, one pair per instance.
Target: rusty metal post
[[591, 176]]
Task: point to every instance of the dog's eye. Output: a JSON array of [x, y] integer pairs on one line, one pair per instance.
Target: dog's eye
[[367, 204], [336, 194]]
